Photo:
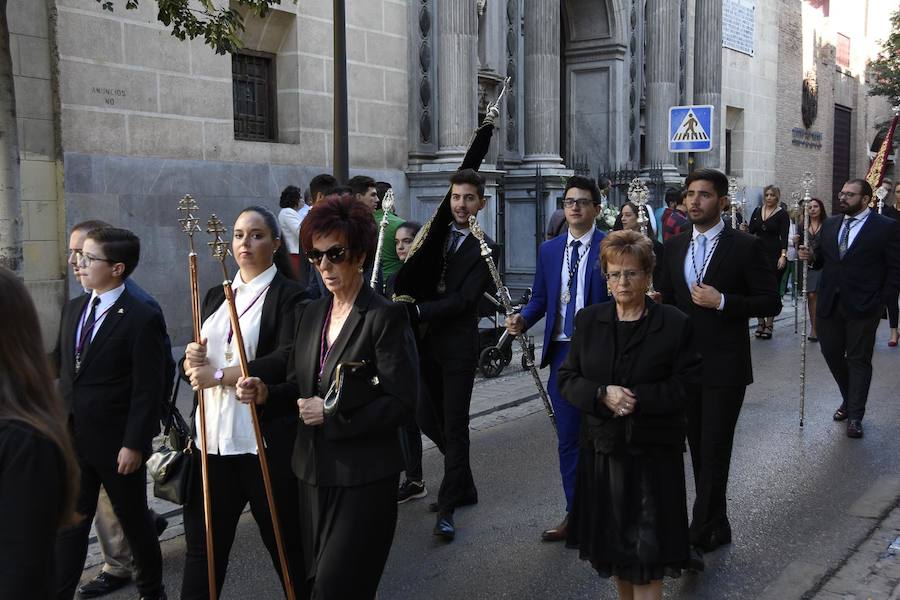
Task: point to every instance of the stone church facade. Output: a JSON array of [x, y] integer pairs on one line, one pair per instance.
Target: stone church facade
[[118, 119]]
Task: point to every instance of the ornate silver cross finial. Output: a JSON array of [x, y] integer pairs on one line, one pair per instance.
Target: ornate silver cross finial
[[387, 205], [807, 183], [219, 247]]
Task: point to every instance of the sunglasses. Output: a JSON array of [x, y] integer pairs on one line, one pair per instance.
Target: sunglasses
[[335, 255]]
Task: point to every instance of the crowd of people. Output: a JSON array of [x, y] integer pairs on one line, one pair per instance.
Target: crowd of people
[[349, 362]]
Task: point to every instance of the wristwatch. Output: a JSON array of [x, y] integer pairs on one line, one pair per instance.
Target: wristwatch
[[218, 375]]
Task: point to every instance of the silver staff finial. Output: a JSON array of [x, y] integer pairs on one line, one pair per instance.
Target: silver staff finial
[[219, 247]]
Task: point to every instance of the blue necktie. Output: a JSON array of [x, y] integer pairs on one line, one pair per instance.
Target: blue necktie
[[699, 256], [844, 242], [569, 323]]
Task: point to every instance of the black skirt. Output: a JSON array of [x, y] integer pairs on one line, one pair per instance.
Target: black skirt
[[629, 515]]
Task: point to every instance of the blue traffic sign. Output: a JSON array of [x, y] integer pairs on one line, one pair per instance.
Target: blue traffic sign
[[690, 128]]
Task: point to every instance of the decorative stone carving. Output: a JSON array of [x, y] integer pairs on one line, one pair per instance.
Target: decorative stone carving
[[425, 74], [512, 63], [809, 107]]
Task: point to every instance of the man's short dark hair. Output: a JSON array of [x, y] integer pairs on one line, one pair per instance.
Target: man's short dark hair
[[470, 176], [340, 190], [290, 197], [90, 224], [361, 184], [322, 183], [583, 183], [714, 176], [673, 197], [864, 186], [119, 245]]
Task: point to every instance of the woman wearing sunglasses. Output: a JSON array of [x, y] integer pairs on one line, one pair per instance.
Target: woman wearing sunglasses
[[265, 298], [348, 460]]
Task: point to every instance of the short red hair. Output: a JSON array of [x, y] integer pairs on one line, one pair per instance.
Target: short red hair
[[346, 216]]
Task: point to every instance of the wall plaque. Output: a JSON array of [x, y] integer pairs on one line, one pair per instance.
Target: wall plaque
[[738, 25]]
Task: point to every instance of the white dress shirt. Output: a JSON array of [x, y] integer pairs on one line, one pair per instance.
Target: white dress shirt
[[579, 299], [857, 225], [229, 426], [289, 220], [107, 299], [689, 275]]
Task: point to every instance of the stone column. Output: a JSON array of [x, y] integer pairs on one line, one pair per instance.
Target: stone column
[[662, 35], [542, 46], [708, 72], [457, 24]]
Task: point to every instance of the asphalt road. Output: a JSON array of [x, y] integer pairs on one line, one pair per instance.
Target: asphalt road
[[795, 501]]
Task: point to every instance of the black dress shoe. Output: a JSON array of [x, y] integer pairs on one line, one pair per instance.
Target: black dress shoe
[[854, 428], [102, 584], [444, 527], [695, 561], [717, 537], [840, 414]]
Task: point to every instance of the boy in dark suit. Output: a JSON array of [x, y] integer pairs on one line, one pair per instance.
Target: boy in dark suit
[[859, 255], [720, 277], [449, 349], [567, 278], [112, 366]]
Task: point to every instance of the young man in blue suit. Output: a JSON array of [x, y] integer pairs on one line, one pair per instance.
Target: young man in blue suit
[[567, 279]]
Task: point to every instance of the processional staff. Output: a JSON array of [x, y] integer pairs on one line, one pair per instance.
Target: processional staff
[[795, 196], [807, 184], [220, 250], [190, 225], [506, 302], [387, 206], [733, 201], [638, 194]]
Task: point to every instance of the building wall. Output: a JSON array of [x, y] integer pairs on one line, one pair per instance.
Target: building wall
[[749, 91], [807, 44], [146, 118], [42, 233]]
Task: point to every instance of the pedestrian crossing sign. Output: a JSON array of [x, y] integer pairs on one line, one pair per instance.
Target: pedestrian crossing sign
[[690, 128]]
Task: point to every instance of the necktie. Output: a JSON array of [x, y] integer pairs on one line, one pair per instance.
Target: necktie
[[87, 330], [699, 256], [454, 242], [844, 242], [569, 323]]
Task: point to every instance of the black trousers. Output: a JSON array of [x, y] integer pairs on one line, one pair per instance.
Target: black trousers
[[128, 495], [411, 446], [347, 533], [847, 344], [233, 482], [712, 416], [893, 310], [443, 416]]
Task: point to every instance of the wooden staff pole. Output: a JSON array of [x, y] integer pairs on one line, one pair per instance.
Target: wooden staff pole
[[189, 225], [221, 252]]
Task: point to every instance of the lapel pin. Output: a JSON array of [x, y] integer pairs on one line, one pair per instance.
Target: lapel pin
[[121, 311]]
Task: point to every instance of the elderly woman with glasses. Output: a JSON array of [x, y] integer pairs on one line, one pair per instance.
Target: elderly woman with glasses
[[626, 371], [353, 376]]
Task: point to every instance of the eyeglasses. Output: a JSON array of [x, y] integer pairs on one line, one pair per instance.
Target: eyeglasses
[[335, 255], [582, 202], [617, 276], [848, 194], [85, 260]]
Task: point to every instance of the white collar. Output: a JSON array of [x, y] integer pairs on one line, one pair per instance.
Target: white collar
[[585, 239], [258, 283], [455, 227], [109, 297], [860, 217], [710, 233]]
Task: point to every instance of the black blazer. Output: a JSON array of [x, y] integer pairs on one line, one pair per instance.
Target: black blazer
[[361, 445], [658, 362], [869, 271], [114, 400], [452, 317], [739, 269]]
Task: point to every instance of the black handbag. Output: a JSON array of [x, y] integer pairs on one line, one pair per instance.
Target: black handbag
[[171, 467], [354, 384]]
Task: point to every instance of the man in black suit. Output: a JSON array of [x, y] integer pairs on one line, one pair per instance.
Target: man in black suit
[[720, 278], [449, 349], [859, 256], [112, 366]]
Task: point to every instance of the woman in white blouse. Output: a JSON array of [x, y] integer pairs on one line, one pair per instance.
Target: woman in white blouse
[[265, 299], [289, 219]]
